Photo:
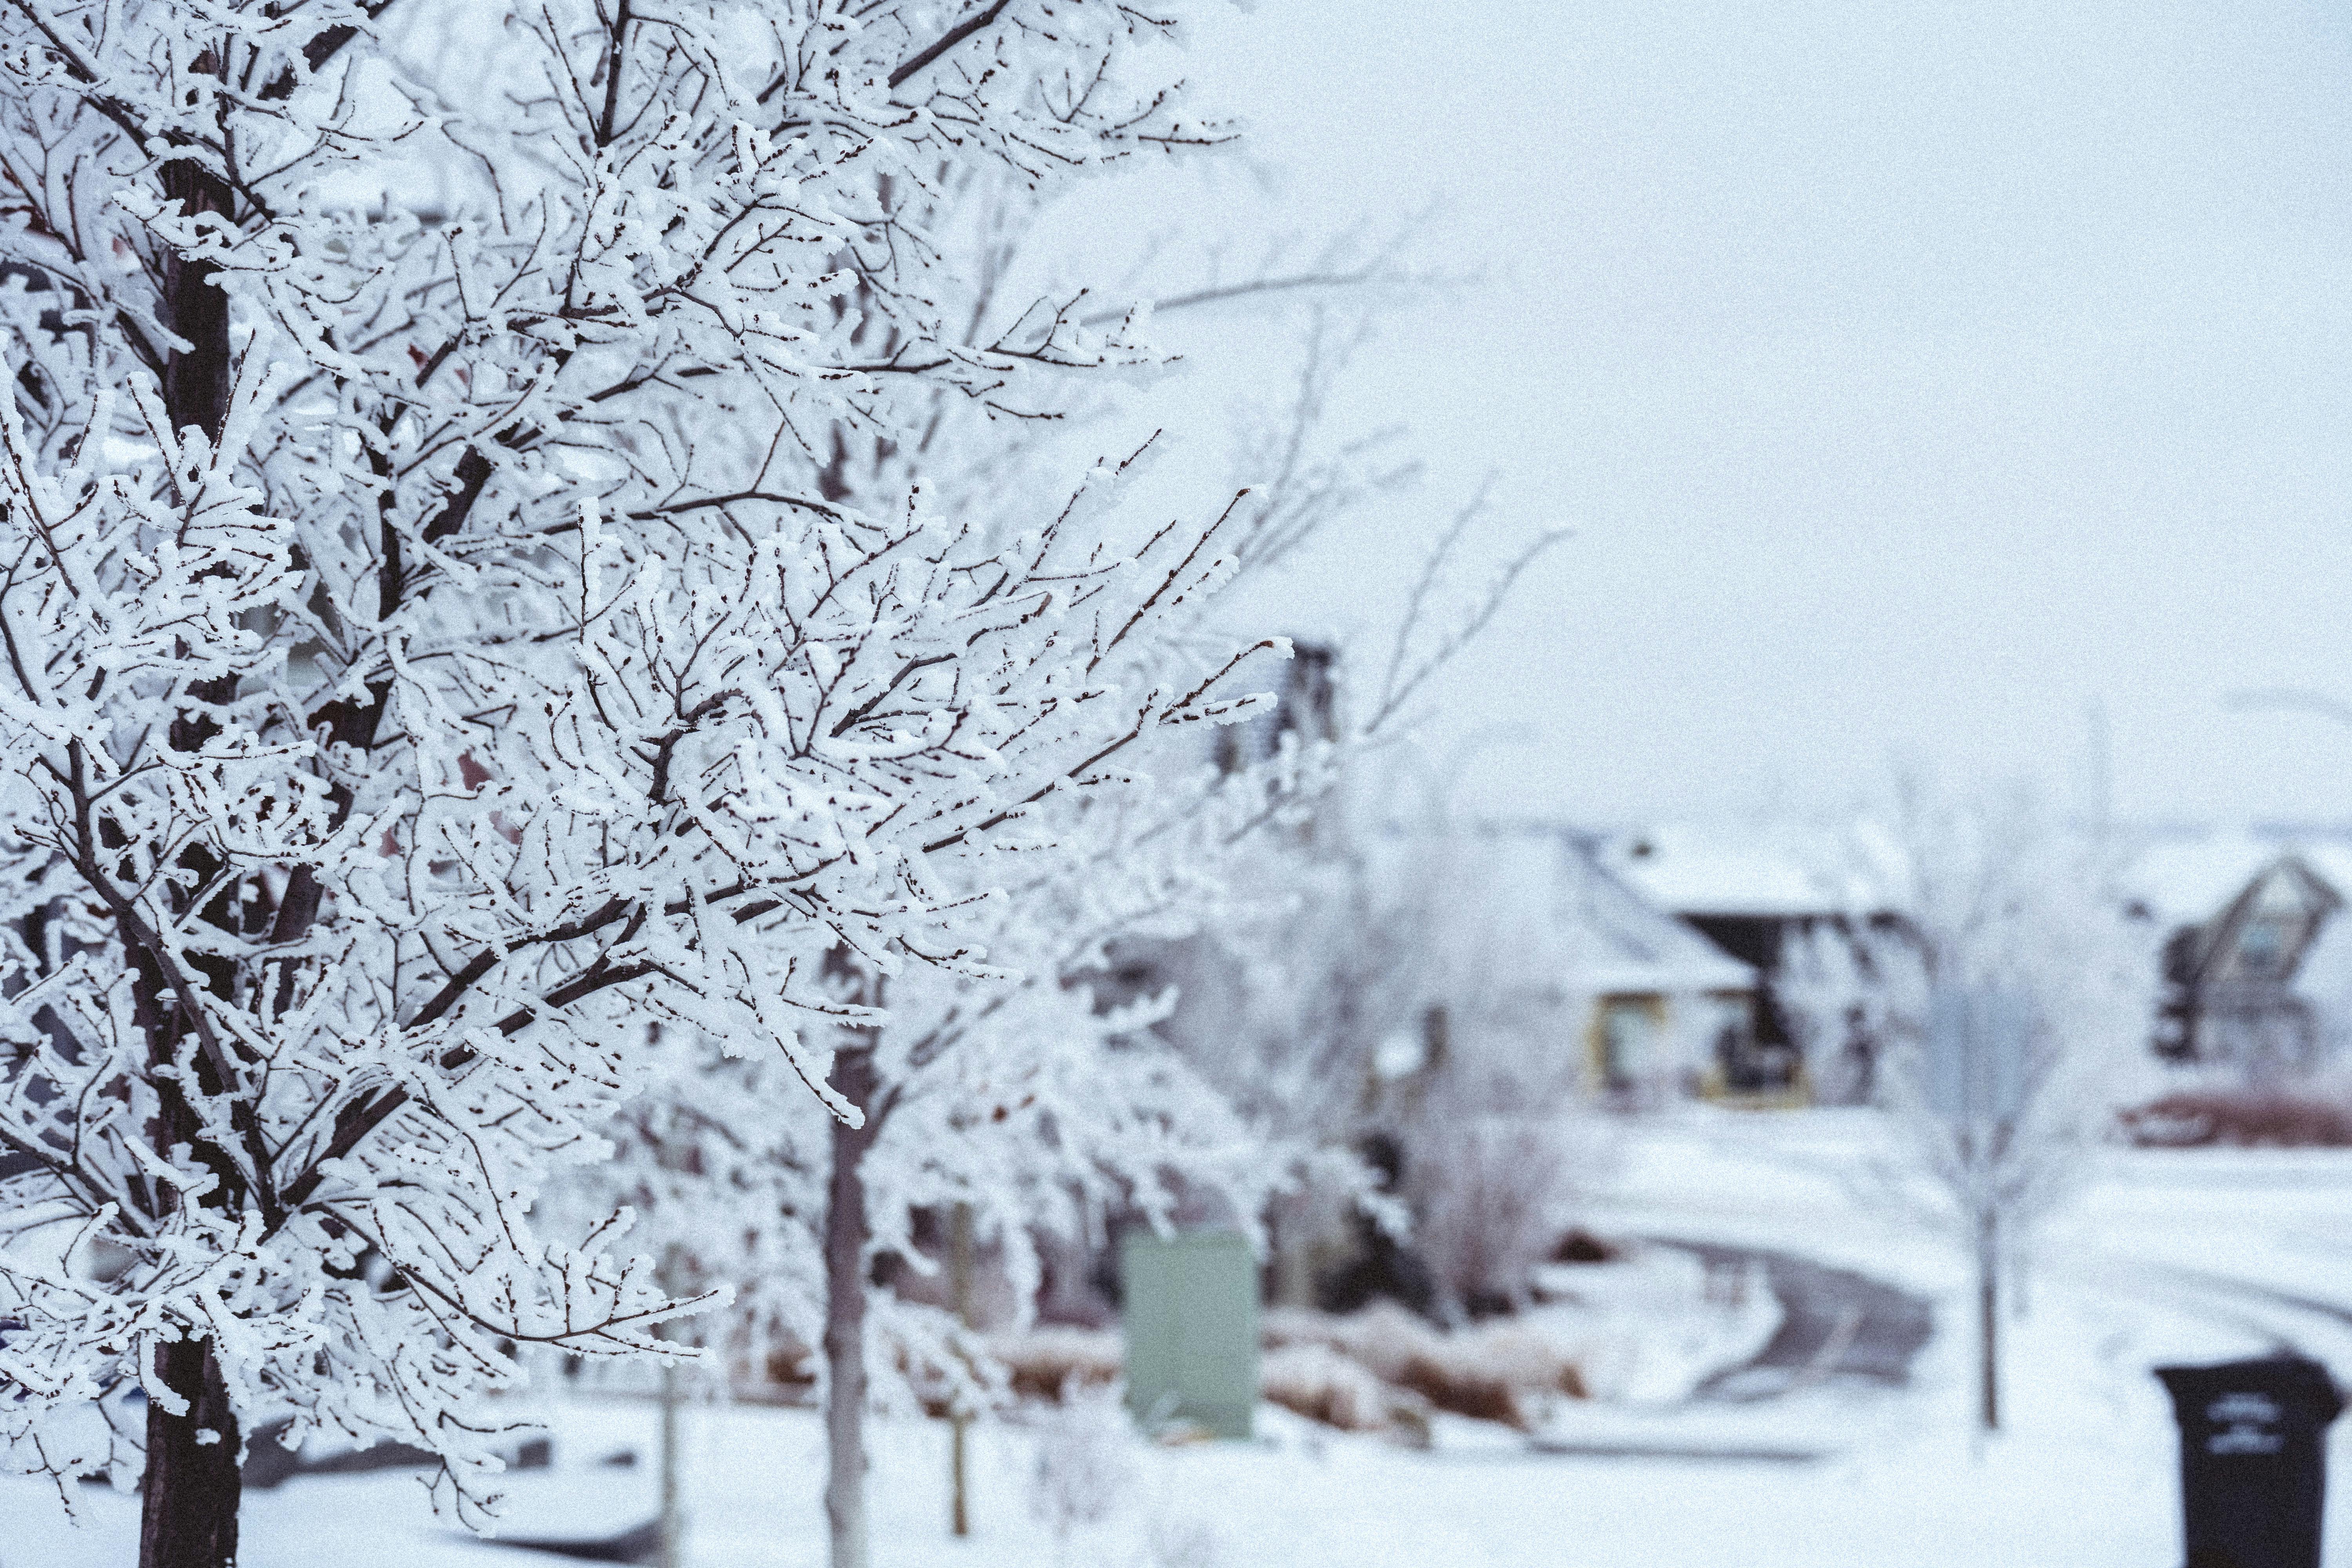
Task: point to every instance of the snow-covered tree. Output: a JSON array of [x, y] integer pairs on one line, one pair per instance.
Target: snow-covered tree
[[1830, 993], [444, 636], [1500, 1136], [1988, 953], [1022, 1098], [1010, 1094], [1391, 1014]]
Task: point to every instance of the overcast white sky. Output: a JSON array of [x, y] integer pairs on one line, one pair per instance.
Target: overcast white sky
[[1913, 374]]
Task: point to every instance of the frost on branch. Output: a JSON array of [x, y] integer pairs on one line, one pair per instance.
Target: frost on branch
[[440, 637]]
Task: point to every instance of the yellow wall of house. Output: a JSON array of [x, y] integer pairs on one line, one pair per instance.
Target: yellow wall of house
[[1651, 1006], [1657, 1011]]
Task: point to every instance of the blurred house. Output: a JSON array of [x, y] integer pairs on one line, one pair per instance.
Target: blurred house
[[1477, 949], [1764, 906], [2257, 968], [1421, 949], [1663, 1010], [1536, 954]]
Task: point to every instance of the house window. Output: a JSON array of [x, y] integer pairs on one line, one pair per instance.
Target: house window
[[1628, 1040], [2263, 948]]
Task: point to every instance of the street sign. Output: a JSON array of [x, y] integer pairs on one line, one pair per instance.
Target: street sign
[[1979, 1041]]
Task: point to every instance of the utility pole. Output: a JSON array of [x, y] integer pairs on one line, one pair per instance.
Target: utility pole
[[2100, 788], [959, 1418]]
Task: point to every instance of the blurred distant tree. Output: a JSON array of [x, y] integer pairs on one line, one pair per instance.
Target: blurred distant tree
[[1989, 954]]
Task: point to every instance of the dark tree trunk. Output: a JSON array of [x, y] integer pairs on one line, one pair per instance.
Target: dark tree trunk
[[196, 379], [959, 1299], [845, 1310], [191, 1488], [188, 1518]]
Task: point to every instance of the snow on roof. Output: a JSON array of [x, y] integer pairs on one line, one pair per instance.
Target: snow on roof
[[2187, 882], [2325, 974], [1695, 871], [2331, 861], [1542, 905], [1626, 937]]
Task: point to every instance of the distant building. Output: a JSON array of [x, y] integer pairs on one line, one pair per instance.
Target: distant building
[[2243, 921], [1540, 941], [1535, 943], [2256, 967], [1665, 1010], [1761, 906], [1557, 953]]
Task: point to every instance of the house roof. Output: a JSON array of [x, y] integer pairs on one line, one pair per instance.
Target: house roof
[[1550, 906], [1694, 871], [2331, 861], [1625, 937], [2325, 974], [2188, 882]]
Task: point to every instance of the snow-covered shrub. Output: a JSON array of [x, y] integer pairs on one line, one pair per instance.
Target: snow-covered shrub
[[1500, 1154], [1503, 1369], [1084, 1470], [1831, 991], [2240, 1117], [1317, 1381], [1487, 1188], [1053, 1364]]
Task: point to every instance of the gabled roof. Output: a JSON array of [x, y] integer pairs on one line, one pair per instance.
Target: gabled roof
[[2331, 862], [2190, 881], [1546, 901], [2325, 974], [2187, 882], [1697, 871]]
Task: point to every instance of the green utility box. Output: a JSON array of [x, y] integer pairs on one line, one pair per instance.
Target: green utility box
[[1190, 1312]]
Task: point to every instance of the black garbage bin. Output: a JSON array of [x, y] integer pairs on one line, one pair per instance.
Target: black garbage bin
[[2253, 1460]]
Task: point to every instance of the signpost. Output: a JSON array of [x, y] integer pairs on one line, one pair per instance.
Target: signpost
[[1976, 1051], [959, 1419]]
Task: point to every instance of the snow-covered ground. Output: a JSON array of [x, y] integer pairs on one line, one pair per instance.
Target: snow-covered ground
[[2174, 1256], [1652, 1326]]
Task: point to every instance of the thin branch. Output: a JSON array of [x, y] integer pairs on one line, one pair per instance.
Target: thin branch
[[946, 41]]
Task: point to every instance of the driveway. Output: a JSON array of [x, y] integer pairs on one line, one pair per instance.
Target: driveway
[[1838, 1328]]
